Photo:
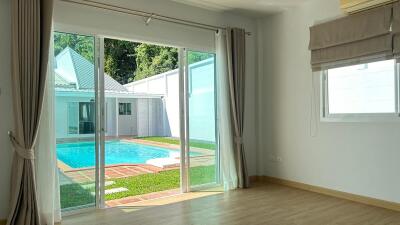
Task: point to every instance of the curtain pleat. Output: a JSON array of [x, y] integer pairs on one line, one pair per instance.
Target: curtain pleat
[[224, 115], [31, 26], [236, 48], [396, 29]]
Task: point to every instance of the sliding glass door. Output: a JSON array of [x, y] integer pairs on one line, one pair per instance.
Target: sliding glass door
[[201, 138], [75, 119], [122, 137]]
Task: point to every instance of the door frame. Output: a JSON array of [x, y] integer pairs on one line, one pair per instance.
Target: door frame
[[97, 136], [99, 94], [185, 136]]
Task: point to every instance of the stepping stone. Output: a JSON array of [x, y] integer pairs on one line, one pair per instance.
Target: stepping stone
[[92, 185], [113, 190]]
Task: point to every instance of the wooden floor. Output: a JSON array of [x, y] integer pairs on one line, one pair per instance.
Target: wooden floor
[[269, 204]]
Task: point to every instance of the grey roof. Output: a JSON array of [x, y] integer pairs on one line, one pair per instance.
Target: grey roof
[[81, 71]]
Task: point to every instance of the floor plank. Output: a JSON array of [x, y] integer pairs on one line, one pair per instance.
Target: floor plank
[[270, 204]]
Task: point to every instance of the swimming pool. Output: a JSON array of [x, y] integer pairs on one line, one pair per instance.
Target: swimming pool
[[81, 154]]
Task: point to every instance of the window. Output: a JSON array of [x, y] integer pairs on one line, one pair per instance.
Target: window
[[361, 90], [86, 117], [81, 118], [125, 109], [73, 118]]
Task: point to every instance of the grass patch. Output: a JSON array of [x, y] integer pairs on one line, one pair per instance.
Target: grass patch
[[175, 141], [202, 175], [73, 195], [165, 180]]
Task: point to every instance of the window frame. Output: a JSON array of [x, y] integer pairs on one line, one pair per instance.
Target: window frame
[[325, 116], [89, 104], [78, 119], [125, 108], [76, 112]]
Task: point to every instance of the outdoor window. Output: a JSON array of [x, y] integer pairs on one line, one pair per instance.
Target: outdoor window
[[361, 90], [125, 109], [86, 117], [73, 118], [81, 117]]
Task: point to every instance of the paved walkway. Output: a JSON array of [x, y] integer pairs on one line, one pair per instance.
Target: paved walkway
[[111, 172], [138, 198]]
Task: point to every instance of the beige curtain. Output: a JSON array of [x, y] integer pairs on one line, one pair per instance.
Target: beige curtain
[[236, 49], [31, 28], [396, 29]]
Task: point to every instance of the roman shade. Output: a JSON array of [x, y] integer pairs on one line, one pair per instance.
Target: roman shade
[[396, 29], [354, 39]]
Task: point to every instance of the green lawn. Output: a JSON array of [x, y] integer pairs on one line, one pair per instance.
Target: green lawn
[[175, 141], [74, 195]]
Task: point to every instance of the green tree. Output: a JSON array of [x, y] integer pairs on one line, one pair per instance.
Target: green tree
[[153, 59], [124, 61], [194, 57], [84, 45], [119, 60]]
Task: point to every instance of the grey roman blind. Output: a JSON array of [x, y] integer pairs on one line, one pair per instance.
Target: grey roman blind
[[396, 29], [362, 37]]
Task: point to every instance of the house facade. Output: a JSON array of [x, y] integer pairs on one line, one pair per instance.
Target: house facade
[[148, 107], [75, 108]]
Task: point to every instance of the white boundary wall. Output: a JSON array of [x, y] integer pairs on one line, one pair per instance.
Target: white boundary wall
[[201, 102], [166, 84]]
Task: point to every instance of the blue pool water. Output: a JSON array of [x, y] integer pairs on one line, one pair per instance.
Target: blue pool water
[[81, 154]]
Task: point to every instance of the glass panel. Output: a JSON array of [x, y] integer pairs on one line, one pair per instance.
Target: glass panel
[[75, 119], [86, 117], [366, 88], [142, 140], [202, 111]]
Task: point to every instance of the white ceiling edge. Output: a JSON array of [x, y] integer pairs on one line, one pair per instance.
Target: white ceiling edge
[[252, 8]]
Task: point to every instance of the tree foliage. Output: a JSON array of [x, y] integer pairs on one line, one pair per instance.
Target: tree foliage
[[119, 60], [194, 57], [84, 45], [126, 61], [153, 59]]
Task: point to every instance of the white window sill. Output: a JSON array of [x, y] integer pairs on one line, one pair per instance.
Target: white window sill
[[360, 118]]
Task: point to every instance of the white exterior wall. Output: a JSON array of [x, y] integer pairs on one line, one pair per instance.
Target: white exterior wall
[[150, 117], [201, 99], [167, 84], [61, 116], [127, 124], [147, 118]]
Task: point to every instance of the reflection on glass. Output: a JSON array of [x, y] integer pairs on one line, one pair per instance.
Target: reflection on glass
[[75, 119], [202, 126]]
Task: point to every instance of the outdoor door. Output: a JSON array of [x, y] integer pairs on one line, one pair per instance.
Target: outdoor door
[[201, 138], [76, 107], [91, 105]]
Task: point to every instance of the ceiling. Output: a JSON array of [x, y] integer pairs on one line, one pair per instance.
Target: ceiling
[[254, 8]]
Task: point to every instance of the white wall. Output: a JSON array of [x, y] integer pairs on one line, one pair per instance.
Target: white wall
[[6, 118], [360, 158], [166, 84], [127, 124], [201, 98]]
